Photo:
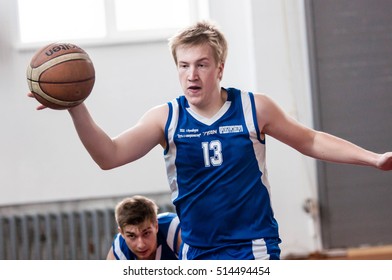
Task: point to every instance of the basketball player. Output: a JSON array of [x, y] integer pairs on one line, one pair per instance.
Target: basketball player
[[144, 234], [214, 147]]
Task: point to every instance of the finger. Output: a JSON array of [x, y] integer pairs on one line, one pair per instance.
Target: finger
[[41, 107]]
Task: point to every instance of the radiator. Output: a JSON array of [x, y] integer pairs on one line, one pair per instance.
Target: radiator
[[84, 235]]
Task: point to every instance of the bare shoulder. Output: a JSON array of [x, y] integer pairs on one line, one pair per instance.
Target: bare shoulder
[[110, 255], [157, 115], [152, 124], [158, 110], [267, 110], [263, 100]]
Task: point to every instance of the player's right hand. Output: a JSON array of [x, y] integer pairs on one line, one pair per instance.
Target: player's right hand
[[39, 107]]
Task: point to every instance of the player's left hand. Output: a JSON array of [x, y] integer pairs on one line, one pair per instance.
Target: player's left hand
[[385, 161]]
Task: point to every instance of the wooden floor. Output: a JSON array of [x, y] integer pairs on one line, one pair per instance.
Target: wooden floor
[[370, 253]]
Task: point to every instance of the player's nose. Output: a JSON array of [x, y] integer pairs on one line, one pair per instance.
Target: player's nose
[[192, 73]]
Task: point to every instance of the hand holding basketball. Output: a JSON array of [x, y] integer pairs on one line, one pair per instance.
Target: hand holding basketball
[[60, 76]]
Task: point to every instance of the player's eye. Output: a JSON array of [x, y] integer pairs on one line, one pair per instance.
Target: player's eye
[[131, 236]]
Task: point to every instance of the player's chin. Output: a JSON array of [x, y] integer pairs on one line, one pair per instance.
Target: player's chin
[[194, 98], [146, 255]]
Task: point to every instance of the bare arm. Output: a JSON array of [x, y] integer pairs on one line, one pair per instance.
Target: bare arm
[[110, 255], [179, 242], [274, 122], [130, 145]]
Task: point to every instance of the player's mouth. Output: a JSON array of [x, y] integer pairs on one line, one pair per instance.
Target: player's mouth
[[194, 89]]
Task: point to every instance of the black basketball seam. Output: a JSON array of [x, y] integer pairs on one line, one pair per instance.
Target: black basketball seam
[[71, 82]]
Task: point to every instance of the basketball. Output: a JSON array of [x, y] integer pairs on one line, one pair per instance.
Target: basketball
[[60, 75]]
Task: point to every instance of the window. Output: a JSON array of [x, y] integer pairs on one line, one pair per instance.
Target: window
[[151, 14], [47, 20], [105, 21]]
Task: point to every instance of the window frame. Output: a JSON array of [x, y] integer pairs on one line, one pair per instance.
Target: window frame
[[117, 37]]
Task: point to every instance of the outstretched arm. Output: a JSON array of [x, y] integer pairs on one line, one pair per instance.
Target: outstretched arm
[[130, 145], [320, 145]]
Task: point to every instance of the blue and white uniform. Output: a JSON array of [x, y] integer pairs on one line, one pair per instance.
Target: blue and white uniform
[[168, 228], [218, 178]]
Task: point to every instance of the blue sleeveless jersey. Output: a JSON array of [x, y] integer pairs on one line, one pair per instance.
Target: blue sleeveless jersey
[[217, 173], [168, 228]]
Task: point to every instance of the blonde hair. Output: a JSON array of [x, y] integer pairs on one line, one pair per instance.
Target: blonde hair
[[135, 210], [202, 32]]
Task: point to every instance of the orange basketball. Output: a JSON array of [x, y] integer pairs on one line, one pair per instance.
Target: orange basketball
[[61, 75]]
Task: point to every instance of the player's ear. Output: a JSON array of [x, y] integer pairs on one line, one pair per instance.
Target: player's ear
[[221, 67], [156, 226]]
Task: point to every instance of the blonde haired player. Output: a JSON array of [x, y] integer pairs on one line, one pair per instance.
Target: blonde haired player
[[214, 142]]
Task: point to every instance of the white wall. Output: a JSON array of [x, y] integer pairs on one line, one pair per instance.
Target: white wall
[[41, 158], [282, 72]]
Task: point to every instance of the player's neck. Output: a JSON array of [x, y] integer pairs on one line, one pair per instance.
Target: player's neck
[[214, 105]]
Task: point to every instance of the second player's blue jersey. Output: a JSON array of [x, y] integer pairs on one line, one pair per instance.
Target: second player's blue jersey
[[217, 174]]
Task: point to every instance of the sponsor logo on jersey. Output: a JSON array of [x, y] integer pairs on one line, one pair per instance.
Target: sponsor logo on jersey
[[189, 133], [230, 129]]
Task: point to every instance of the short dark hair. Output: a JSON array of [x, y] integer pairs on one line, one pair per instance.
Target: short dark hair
[[135, 210]]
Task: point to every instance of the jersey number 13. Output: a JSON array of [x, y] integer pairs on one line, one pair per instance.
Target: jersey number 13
[[216, 147]]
